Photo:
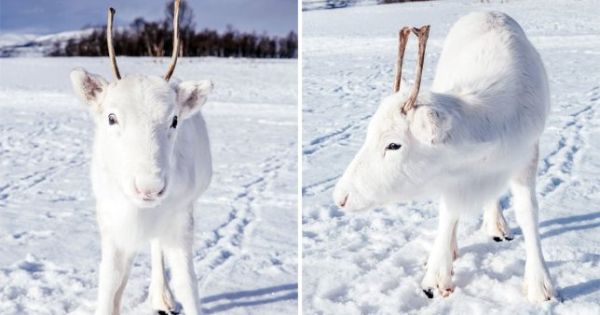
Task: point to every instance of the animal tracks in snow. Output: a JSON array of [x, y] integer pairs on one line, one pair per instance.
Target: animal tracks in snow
[[560, 160]]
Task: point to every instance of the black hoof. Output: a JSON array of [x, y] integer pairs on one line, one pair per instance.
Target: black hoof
[[497, 239], [509, 238], [428, 293], [163, 313]]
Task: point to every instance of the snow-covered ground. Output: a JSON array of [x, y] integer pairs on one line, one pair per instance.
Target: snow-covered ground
[[372, 262], [245, 237]]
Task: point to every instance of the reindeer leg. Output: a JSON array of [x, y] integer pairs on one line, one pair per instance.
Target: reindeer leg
[[160, 295], [494, 223], [439, 264], [178, 251], [114, 270], [538, 285]]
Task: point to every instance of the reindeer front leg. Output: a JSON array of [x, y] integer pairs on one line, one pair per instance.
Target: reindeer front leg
[[114, 271], [159, 292], [178, 251], [439, 265]]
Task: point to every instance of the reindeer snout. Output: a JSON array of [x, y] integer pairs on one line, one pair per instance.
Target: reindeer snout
[[340, 195], [341, 202], [348, 198], [149, 188]]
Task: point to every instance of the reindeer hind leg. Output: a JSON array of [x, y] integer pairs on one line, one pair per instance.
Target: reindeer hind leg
[[494, 223]]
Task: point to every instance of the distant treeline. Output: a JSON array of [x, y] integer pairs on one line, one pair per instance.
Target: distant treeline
[[155, 39]]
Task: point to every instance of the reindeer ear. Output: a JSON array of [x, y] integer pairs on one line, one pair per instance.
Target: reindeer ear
[[430, 126], [90, 88], [191, 95]]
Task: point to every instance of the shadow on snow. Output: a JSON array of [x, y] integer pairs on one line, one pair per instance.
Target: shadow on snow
[[250, 298]]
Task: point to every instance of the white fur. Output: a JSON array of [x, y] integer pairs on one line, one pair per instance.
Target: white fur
[[146, 177], [473, 135]]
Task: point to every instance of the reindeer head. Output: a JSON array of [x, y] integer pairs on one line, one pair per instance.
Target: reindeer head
[[137, 119], [395, 160]]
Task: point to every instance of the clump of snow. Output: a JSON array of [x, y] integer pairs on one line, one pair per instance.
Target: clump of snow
[[372, 262], [245, 249]]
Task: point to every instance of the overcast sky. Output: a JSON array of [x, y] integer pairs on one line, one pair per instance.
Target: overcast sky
[[276, 17]]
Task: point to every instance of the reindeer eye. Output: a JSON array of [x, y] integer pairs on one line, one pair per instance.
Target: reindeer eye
[[393, 146], [174, 123], [112, 119]]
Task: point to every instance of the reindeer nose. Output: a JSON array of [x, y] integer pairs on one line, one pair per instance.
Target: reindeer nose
[[342, 202], [149, 187]]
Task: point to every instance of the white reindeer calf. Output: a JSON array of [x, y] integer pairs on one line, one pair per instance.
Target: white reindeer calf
[[473, 135], [151, 160]]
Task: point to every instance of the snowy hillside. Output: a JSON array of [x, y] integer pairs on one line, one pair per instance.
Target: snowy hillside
[[245, 237], [372, 262], [29, 45], [332, 4]]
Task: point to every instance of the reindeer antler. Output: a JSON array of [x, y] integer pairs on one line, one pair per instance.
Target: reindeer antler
[[175, 40], [403, 39], [423, 34], [111, 49]]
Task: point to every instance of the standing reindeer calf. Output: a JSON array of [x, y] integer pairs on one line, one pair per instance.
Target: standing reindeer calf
[[473, 135], [151, 160]]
